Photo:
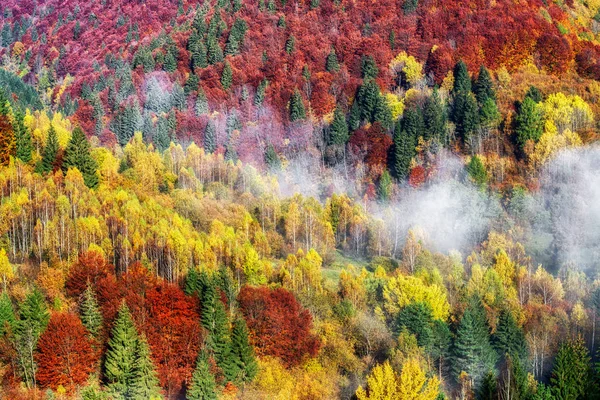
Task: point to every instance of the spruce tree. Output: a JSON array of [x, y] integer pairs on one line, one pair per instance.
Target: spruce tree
[[144, 383], [434, 118], [77, 155], [477, 171], [162, 139], [297, 111], [469, 119], [201, 106], [203, 386], [488, 387], [528, 122], [120, 358], [170, 63], [210, 138], [271, 158], [89, 312], [472, 351], [259, 96], [290, 44], [7, 313], [417, 319], [535, 94], [338, 130], [484, 86], [405, 138], [571, 372], [384, 191], [462, 80], [243, 351], [369, 68], [509, 338], [226, 76], [214, 54], [23, 139], [331, 63], [489, 116]]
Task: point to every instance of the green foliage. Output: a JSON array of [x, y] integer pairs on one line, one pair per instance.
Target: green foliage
[[434, 118], [25, 95], [528, 122], [338, 130], [120, 359], [384, 190], [477, 172], [297, 111], [535, 94], [77, 155], [331, 63], [23, 139], [236, 37], [405, 138], [417, 319], [226, 76], [290, 44], [259, 96], [462, 80], [210, 138], [203, 386], [89, 312], [369, 68], [484, 86], [49, 154], [243, 351], [201, 106], [369, 105], [7, 313], [571, 371], [271, 158], [488, 388], [214, 54], [410, 6], [144, 382], [509, 338]]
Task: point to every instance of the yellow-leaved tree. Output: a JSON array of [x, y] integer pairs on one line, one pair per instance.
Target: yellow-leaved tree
[[403, 290]]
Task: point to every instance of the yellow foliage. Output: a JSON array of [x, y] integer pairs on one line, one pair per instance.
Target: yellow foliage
[[567, 112], [412, 69], [6, 269], [550, 142], [382, 384], [403, 290], [395, 104]]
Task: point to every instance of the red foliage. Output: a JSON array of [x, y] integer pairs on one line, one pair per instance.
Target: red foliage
[[65, 354], [90, 267], [554, 53], [417, 176], [173, 331], [279, 326], [373, 145]]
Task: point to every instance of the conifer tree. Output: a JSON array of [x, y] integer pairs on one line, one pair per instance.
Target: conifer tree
[[214, 54], [535, 94], [243, 351], [571, 372], [331, 63], [24, 145], [120, 358], [144, 383], [203, 386], [297, 111], [162, 139], [369, 68], [509, 338], [484, 86], [7, 313], [384, 190], [201, 106], [462, 81], [477, 171], [236, 37], [488, 389], [170, 63], [417, 319], [210, 139], [468, 121], [528, 122], [89, 312], [290, 44], [226, 76], [259, 96], [472, 351], [77, 155], [434, 118], [338, 130], [405, 138], [271, 158]]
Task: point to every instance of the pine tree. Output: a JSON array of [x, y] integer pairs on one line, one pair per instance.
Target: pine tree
[[405, 138], [226, 76], [7, 313], [571, 372], [77, 155], [89, 312], [170, 63], [468, 121], [178, 100], [484, 86], [417, 319], [210, 139], [489, 116], [477, 171], [120, 358], [509, 338], [24, 145], [434, 118], [297, 111], [472, 351], [144, 382], [162, 139], [338, 130], [535, 94], [462, 81], [331, 63], [243, 351], [236, 37], [528, 122], [369, 68], [214, 54], [203, 386], [7, 140]]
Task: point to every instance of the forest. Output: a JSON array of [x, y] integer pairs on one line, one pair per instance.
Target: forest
[[299, 199]]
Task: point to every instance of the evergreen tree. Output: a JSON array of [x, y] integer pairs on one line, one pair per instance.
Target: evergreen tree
[[162, 139], [417, 319], [199, 54], [477, 171], [214, 54], [226, 76], [120, 358], [472, 351], [297, 111], [410, 6], [170, 63], [489, 116], [203, 386], [405, 138], [23, 139], [7, 313], [259, 96], [331, 64], [144, 382], [571, 371], [468, 121], [384, 190], [271, 158], [462, 81], [338, 130], [236, 37], [535, 94], [484, 86], [191, 84], [509, 338], [434, 118], [50, 152], [201, 106], [77, 155], [89, 312], [528, 122], [369, 68], [178, 97], [290, 44], [243, 351], [210, 138], [488, 388]]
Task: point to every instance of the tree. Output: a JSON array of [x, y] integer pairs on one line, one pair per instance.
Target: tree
[[89, 312], [6, 269], [382, 384], [77, 155], [7, 140], [331, 63], [385, 186], [472, 351], [120, 358], [484, 86], [210, 139], [477, 172], [369, 68], [297, 111], [203, 386], [417, 319], [528, 122], [65, 356], [243, 351], [406, 134], [410, 6], [571, 371], [271, 158], [434, 118], [226, 76], [509, 338], [462, 80], [24, 145], [338, 130], [488, 388], [144, 382], [7, 313], [201, 106], [50, 152], [290, 44]]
